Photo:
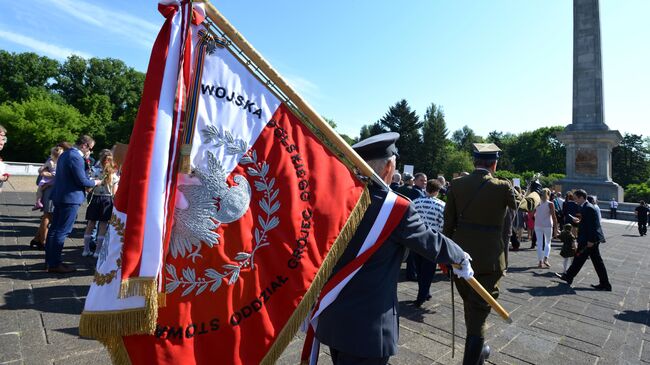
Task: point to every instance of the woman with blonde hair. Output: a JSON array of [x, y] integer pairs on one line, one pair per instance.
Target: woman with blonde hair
[[545, 228], [101, 205]]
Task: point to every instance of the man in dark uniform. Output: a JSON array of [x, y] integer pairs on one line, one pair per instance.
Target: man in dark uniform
[[474, 216], [361, 325]]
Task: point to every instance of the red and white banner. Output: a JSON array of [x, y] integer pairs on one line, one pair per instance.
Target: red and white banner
[[256, 226]]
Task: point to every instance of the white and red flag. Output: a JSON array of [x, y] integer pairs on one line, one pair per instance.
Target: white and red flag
[[220, 265]]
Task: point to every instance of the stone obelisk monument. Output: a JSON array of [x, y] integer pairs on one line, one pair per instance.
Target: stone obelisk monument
[[588, 140]]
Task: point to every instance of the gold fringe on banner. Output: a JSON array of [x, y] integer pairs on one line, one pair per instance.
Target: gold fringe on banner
[[139, 286], [116, 323], [103, 324], [162, 300], [117, 350], [295, 321]]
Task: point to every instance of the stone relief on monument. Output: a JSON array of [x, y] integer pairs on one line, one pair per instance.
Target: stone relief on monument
[[586, 162]]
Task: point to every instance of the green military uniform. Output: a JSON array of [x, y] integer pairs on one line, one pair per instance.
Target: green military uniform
[[474, 216]]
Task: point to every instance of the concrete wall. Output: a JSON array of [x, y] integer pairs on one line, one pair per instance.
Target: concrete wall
[[22, 168]]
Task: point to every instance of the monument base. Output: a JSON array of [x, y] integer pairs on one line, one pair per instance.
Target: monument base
[[604, 190]]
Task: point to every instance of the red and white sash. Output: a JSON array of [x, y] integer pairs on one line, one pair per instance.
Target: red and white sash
[[390, 214]]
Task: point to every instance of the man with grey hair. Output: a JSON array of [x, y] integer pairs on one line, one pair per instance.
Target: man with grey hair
[[361, 325], [397, 179]]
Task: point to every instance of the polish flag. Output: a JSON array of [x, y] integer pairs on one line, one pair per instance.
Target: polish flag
[[239, 248]]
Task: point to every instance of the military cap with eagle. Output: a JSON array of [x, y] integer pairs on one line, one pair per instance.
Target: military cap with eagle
[[486, 151]]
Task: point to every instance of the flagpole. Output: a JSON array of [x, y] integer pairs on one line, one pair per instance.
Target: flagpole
[[480, 290], [250, 52]]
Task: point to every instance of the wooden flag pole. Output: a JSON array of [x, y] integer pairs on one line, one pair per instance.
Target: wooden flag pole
[[487, 297], [284, 87]]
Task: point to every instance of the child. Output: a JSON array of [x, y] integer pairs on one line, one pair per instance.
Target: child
[[101, 205], [47, 174], [568, 246]]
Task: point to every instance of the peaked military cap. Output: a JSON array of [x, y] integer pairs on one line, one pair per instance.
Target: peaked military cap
[[486, 151], [407, 176], [379, 146]]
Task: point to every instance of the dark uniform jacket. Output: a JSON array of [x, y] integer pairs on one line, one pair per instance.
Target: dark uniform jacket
[[363, 320], [410, 192], [479, 230], [589, 229]]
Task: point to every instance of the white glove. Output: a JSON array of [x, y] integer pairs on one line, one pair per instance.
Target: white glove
[[465, 271]]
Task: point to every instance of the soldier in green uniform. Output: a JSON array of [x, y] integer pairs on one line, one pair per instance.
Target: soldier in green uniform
[[474, 215]]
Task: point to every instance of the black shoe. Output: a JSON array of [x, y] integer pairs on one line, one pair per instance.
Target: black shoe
[[418, 303], [602, 287], [564, 278], [37, 245]]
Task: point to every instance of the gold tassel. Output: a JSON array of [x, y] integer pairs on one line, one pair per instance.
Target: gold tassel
[[138, 286], [184, 167], [340, 244], [117, 350], [118, 323], [162, 300], [102, 324]]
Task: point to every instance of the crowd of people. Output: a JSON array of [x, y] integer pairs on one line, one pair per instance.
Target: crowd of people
[[483, 216], [66, 179]]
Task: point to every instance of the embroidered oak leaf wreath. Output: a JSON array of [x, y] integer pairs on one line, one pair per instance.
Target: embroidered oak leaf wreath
[[213, 202]]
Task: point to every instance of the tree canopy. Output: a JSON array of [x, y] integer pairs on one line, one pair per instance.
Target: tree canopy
[[43, 102]]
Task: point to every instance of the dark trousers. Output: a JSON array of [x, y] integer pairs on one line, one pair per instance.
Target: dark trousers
[[426, 270], [477, 309], [643, 227], [612, 213], [411, 266], [583, 254], [342, 358], [62, 222]]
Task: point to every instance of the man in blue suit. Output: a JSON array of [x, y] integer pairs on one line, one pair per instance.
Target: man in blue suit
[[590, 235], [67, 196]]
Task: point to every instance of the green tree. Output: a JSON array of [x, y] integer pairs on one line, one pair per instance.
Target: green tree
[[370, 130], [504, 141], [38, 124], [636, 192], [22, 72], [457, 161], [538, 151], [81, 82], [631, 160], [434, 135], [401, 119], [464, 138]]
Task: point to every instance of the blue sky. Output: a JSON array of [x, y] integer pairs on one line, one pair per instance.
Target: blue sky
[[492, 65]]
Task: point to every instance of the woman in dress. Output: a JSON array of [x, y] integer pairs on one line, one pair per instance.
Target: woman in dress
[[545, 228], [101, 205]]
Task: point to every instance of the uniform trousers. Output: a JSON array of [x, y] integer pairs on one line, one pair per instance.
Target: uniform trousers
[[342, 358], [426, 270], [583, 254], [63, 220], [477, 309]]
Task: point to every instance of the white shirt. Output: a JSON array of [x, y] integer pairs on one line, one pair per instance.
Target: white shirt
[[432, 211], [613, 204]]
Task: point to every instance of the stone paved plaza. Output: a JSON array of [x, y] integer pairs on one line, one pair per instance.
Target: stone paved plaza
[[553, 324]]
